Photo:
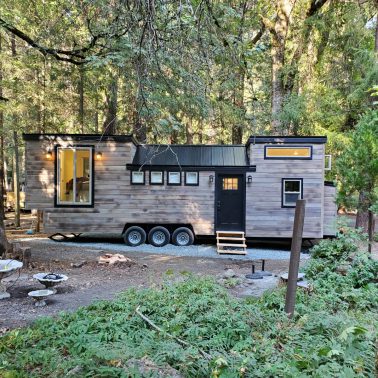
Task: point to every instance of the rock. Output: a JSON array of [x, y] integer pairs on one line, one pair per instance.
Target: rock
[[76, 370], [144, 266], [111, 259], [78, 264], [228, 273], [285, 276]]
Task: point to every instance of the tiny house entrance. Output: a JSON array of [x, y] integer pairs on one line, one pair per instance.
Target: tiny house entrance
[[230, 202]]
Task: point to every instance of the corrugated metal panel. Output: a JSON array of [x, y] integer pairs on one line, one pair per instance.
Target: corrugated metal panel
[[185, 155]]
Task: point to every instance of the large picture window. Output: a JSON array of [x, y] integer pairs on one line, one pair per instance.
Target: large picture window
[[292, 190], [74, 176]]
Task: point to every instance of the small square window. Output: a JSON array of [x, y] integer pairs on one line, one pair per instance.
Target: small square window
[[156, 178], [137, 178], [174, 178], [292, 191], [191, 178]]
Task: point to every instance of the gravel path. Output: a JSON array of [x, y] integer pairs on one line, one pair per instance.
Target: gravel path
[[201, 250]]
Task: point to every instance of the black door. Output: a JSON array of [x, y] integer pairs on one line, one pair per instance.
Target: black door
[[230, 202]]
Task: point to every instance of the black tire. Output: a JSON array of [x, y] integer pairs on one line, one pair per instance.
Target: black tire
[[134, 236], [159, 236], [182, 237]]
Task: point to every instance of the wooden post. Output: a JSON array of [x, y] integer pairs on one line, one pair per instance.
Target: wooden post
[[296, 245]]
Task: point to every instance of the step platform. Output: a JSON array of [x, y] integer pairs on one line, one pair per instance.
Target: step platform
[[231, 242]]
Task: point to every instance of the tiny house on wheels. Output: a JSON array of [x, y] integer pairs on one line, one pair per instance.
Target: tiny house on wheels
[[173, 193]]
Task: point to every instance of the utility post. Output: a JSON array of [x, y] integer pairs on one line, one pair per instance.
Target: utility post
[[296, 244]]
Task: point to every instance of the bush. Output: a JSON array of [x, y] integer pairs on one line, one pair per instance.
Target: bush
[[332, 334]]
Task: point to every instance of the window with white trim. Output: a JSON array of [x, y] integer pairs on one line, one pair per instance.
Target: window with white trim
[[156, 177], [75, 176], [174, 178], [191, 178], [137, 177], [291, 192]]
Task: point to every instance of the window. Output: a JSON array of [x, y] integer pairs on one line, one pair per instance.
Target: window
[[292, 190], [75, 176], [327, 162], [292, 152], [174, 178], [230, 183], [191, 178], [137, 177], [156, 178]]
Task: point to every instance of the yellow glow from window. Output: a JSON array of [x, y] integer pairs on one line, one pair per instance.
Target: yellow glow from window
[[294, 152]]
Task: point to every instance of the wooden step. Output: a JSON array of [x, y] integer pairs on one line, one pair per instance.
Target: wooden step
[[231, 232], [231, 252], [232, 245], [229, 238]]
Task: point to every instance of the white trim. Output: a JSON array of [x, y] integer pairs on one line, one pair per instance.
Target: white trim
[[328, 167]]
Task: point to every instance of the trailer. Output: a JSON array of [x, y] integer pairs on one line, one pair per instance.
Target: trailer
[[175, 193]]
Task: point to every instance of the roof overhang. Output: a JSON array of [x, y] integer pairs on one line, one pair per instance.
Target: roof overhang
[[80, 137], [148, 167], [287, 140]]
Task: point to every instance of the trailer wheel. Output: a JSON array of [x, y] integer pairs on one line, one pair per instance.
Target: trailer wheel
[[134, 236], [159, 236], [183, 237]]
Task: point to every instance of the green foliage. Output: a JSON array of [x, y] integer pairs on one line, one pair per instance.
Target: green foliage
[[333, 333], [358, 164]]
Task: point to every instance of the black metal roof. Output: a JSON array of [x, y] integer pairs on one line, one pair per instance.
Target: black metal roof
[[191, 156], [286, 139]]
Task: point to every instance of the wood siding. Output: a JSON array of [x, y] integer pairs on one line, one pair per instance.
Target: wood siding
[[264, 215], [117, 202], [330, 210]]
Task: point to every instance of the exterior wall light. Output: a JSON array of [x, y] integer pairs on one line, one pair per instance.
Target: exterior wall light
[[249, 179], [211, 178], [98, 155], [48, 154]]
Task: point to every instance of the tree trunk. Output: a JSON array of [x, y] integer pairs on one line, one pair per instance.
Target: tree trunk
[[81, 98], [110, 123], [3, 237], [16, 180], [237, 130], [362, 217], [189, 131], [371, 226]]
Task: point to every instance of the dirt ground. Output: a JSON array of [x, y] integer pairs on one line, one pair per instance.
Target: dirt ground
[[93, 281]]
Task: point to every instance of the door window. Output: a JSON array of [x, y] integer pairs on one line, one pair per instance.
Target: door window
[[230, 183]]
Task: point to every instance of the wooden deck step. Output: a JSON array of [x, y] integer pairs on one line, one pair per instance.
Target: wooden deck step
[[229, 238], [232, 245]]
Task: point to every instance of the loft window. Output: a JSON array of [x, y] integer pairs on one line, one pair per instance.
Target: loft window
[[174, 178], [156, 178], [280, 152], [137, 177], [292, 190], [230, 183], [75, 176], [191, 178]]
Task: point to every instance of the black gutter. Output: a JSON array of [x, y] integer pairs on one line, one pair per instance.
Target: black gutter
[[80, 137], [286, 139]]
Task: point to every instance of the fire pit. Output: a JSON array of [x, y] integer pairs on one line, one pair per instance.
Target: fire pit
[[50, 280], [7, 267], [40, 296]]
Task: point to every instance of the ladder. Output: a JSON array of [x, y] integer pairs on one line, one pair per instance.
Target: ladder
[[231, 242]]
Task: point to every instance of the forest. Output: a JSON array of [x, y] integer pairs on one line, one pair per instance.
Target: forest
[[212, 72]]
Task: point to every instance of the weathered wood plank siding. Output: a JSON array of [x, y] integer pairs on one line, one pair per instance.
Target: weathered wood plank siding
[[117, 202], [330, 211], [264, 215]]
